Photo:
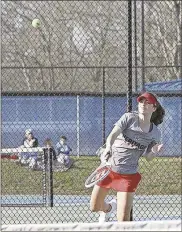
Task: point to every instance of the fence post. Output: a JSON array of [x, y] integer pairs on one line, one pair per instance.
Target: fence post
[[180, 47], [44, 178], [129, 92], [135, 46], [78, 125], [103, 108], [51, 194], [143, 48]]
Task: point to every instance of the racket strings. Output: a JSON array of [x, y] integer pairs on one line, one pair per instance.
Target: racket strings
[[99, 174]]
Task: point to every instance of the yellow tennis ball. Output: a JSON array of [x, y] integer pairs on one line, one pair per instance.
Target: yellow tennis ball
[[36, 23]]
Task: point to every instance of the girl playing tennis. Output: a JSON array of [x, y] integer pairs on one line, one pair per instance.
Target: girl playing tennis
[[134, 134]]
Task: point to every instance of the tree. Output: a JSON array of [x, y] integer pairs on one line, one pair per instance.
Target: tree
[[77, 35], [163, 25]]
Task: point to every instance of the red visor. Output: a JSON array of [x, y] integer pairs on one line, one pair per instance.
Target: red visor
[[149, 97]]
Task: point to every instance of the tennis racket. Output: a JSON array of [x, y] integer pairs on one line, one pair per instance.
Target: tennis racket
[[100, 173]]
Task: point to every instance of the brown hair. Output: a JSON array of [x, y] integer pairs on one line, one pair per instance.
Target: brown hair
[[157, 116], [48, 141], [63, 137]]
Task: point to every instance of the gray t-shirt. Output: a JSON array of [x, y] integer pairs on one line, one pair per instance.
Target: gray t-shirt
[[131, 144]]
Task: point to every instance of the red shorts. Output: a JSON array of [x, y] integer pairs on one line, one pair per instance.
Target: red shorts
[[121, 182]]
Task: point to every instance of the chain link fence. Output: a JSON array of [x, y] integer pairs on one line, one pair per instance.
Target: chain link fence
[[74, 76]]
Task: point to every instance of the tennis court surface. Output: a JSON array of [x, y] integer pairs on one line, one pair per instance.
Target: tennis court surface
[[72, 209]]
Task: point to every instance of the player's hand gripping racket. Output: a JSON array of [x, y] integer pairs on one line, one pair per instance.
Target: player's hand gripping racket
[[100, 173]]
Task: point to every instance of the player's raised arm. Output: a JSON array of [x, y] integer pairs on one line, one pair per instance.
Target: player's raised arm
[[110, 140], [119, 126]]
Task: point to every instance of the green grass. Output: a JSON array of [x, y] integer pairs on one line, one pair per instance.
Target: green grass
[[162, 176]]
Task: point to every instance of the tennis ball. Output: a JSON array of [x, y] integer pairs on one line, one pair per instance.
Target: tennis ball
[[36, 23]]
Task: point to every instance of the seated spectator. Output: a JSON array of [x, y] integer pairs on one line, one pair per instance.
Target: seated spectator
[[48, 144], [30, 140], [29, 157], [63, 151]]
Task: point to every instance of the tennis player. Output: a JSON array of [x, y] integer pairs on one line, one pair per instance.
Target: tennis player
[[134, 135]]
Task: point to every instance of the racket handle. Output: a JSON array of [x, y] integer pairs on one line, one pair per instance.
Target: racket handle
[[108, 156], [105, 159]]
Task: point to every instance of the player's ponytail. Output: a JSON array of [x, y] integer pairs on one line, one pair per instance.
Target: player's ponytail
[[158, 116]]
